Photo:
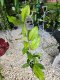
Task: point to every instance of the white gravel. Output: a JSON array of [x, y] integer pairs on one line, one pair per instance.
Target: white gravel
[[13, 60]]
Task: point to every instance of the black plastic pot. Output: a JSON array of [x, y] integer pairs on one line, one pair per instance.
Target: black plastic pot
[[56, 35]]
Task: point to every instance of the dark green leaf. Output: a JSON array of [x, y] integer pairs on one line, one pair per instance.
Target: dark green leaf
[[37, 55], [16, 3], [30, 56], [2, 2], [28, 61], [24, 50]]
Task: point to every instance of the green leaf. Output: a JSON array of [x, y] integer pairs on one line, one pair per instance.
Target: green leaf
[[28, 61], [38, 72], [14, 20], [35, 43], [25, 65], [37, 55], [16, 3], [2, 2], [36, 60], [25, 12], [26, 44], [1, 77], [30, 56], [24, 31], [40, 65], [25, 50], [33, 33]]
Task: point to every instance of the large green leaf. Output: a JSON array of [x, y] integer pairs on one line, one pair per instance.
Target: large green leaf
[[14, 20], [38, 72], [24, 31], [33, 33], [25, 12], [2, 2], [35, 43]]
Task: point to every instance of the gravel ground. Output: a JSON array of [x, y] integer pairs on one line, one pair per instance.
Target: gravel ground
[[13, 60]]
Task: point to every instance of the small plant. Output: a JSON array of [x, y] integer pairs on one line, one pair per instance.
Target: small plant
[[31, 39], [31, 42]]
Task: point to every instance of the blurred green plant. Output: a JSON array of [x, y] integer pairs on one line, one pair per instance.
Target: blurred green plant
[[51, 6], [31, 42], [3, 16], [52, 18], [31, 38], [14, 20], [1, 76], [8, 15]]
